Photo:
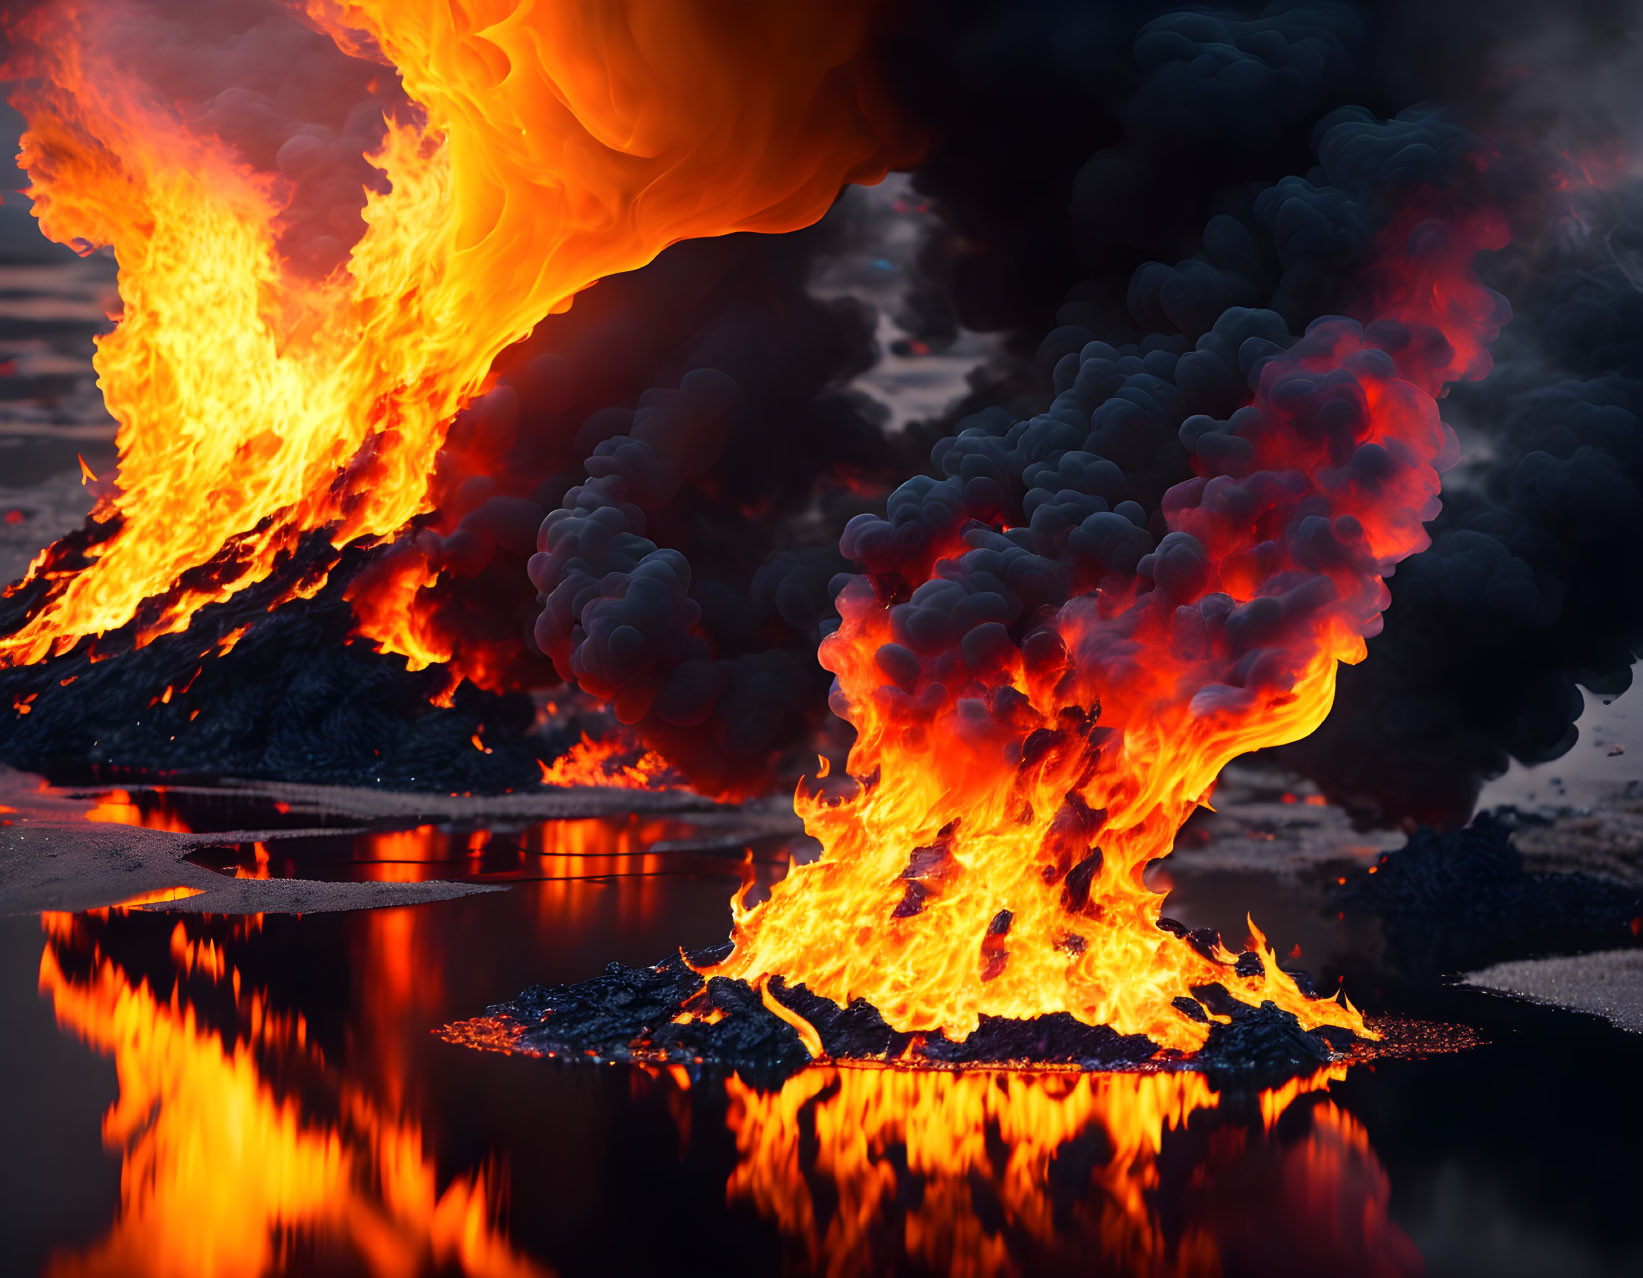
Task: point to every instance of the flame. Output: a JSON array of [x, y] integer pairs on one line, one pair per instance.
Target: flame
[[614, 760], [387, 613], [549, 145], [960, 1173], [989, 860], [223, 1172]]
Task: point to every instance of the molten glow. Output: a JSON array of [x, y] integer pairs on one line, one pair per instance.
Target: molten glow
[[387, 615], [946, 890], [552, 144], [973, 1173], [613, 760], [223, 1173]]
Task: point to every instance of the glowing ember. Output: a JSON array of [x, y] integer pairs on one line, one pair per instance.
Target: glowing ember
[[548, 146], [610, 761], [1009, 795]]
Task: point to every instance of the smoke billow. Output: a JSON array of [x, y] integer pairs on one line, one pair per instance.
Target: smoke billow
[[1136, 175], [1530, 590], [688, 442], [1148, 203]]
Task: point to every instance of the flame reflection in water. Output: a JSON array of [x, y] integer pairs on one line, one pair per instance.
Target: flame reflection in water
[[227, 1171], [248, 1146], [870, 1171]]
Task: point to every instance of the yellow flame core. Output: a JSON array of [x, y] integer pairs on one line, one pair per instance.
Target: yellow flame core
[[558, 142]]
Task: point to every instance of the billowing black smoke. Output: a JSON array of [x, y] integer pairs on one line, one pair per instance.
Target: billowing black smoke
[[1079, 149], [1144, 201], [688, 442], [1533, 586]]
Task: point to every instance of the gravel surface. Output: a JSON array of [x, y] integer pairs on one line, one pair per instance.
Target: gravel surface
[[1608, 984]]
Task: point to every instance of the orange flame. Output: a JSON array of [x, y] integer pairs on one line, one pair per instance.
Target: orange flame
[[990, 860], [613, 760], [552, 144]]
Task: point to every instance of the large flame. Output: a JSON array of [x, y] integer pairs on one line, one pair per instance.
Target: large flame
[[551, 144], [989, 859]]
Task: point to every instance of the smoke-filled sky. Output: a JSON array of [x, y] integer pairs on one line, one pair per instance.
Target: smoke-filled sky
[[1126, 173]]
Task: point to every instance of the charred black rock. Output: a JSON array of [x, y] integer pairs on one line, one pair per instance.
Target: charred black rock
[[760, 1044], [601, 1017], [1057, 1039], [246, 691], [1260, 1047], [1461, 900], [668, 1013]]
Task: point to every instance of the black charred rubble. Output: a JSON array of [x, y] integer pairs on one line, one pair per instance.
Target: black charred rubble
[[1461, 900], [295, 698], [667, 1014]]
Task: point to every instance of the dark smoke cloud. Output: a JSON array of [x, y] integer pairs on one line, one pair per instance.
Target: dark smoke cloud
[[1533, 586], [687, 440], [1074, 141], [1134, 175], [1147, 201], [1083, 488]]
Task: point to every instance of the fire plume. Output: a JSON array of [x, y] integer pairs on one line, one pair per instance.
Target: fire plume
[[543, 147], [1007, 796]]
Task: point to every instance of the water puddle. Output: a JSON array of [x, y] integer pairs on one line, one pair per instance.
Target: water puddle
[[246, 1095]]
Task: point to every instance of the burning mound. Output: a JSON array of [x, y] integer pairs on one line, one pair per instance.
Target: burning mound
[[669, 1014]]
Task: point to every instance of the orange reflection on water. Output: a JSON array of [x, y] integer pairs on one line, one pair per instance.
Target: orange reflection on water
[[227, 1173], [118, 807], [875, 1170]]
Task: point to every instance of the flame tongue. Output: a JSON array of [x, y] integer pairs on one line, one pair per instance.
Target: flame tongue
[[556, 144], [1012, 793]]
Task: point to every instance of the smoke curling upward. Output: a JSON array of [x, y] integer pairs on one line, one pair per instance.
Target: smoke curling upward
[[1048, 660], [545, 146]]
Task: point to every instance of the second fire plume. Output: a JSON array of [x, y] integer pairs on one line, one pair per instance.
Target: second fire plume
[[1045, 678], [542, 147]]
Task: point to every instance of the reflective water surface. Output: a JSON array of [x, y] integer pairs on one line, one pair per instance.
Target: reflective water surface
[[199, 1095]]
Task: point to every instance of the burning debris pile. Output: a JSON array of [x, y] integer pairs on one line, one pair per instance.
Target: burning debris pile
[[669, 1014], [1242, 313], [250, 690]]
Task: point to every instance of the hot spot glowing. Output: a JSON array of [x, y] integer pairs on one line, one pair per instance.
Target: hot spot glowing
[[546, 146], [612, 760]]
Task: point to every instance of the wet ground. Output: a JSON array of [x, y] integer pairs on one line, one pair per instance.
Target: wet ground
[[192, 1093]]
